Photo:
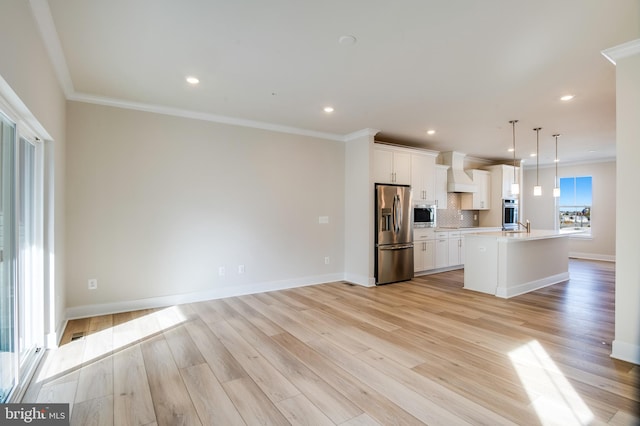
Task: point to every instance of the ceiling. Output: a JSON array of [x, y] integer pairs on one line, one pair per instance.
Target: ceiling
[[461, 67]]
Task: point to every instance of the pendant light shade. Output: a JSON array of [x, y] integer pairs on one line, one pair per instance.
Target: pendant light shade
[[537, 190], [556, 187], [515, 188]]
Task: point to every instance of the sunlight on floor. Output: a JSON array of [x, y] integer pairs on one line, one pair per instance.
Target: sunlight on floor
[[103, 343], [551, 394]]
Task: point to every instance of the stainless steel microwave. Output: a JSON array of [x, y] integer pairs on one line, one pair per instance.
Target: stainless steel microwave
[[424, 215]]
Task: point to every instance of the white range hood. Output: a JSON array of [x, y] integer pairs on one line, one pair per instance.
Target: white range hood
[[457, 179]]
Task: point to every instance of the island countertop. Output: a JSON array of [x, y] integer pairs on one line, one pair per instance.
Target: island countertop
[[514, 236]]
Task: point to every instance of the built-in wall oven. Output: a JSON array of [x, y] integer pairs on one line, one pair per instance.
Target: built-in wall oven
[[424, 215], [509, 214]]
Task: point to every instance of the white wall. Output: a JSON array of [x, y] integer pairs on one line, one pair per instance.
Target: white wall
[[156, 204], [359, 238], [627, 333], [541, 210], [25, 67]]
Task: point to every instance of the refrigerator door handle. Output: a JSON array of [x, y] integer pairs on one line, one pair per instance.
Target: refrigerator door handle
[[396, 247], [397, 213]]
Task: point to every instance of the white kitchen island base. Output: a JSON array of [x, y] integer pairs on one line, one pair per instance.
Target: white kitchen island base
[[507, 264]]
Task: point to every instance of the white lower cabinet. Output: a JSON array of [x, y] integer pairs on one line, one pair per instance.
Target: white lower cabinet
[[442, 249], [423, 249], [456, 249]]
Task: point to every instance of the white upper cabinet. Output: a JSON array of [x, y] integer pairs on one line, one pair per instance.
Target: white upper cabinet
[[480, 200], [423, 182], [391, 166], [441, 186]]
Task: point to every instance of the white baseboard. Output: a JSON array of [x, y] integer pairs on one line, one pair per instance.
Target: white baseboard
[[625, 351], [592, 256], [85, 311], [507, 292], [358, 279]]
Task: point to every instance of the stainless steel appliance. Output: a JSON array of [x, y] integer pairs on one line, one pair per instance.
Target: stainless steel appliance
[[393, 234], [424, 215], [509, 214]]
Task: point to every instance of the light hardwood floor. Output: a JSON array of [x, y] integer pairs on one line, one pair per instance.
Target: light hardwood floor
[[421, 352]]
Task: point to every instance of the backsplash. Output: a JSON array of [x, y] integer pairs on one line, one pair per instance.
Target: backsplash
[[450, 217]]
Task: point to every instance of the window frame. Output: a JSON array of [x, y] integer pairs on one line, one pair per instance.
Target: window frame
[[587, 232]]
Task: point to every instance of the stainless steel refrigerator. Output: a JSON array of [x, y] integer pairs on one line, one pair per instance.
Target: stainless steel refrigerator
[[393, 234]]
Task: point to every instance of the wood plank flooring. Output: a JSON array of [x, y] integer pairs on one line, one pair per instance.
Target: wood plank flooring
[[424, 351]]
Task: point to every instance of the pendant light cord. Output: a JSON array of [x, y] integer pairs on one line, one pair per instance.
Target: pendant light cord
[[513, 125], [537, 129]]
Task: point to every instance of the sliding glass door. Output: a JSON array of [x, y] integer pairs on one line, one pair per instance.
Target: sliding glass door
[[21, 260], [8, 350], [29, 277]]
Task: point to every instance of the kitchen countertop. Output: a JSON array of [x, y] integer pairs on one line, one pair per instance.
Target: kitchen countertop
[[535, 234], [466, 229]]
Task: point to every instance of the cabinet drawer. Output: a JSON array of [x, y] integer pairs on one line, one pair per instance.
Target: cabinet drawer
[[454, 234], [423, 234], [442, 235]]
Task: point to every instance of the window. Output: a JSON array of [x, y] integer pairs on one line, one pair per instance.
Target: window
[[574, 208]]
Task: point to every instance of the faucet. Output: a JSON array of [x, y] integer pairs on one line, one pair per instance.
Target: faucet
[[526, 226]]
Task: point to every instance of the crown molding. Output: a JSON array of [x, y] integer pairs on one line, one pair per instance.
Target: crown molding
[[360, 133], [195, 115], [621, 51], [44, 20]]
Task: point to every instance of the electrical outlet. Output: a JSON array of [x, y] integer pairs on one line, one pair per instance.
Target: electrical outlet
[[221, 271], [327, 260], [240, 269], [461, 217], [93, 284], [475, 217]]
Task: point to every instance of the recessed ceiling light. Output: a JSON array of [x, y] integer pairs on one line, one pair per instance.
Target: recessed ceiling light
[[328, 109], [431, 132], [533, 154], [510, 150], [566, 98], [192, 80]]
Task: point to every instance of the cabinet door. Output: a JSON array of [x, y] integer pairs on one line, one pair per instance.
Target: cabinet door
[[484, 191], [442, 253], [423, 178], [418, 256], [507, 179], [383, 166], [441, 186], [402, 168], [429, 255]]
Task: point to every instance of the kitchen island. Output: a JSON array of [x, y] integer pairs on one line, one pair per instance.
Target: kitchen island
[[508, 263]]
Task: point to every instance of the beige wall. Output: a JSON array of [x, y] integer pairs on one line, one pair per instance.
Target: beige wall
[[25, 66], [156, 204], [541, 210]]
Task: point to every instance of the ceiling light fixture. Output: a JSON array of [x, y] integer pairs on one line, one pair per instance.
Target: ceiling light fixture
[[537, 190], [431, 132], [566, 98], [515, 188], [192, 80], [328, 109], [556, 187]]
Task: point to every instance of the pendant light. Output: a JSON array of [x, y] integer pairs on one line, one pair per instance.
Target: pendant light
[[556, 187], [515, 188], [537, 190]]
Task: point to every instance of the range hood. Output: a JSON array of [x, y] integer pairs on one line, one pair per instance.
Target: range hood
[[457, 179]]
